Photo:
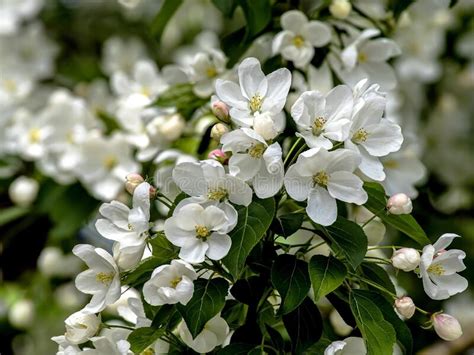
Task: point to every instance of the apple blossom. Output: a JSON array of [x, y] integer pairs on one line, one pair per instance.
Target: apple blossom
[[405, 306], [132, 180], [214, 334], [446, 326], [439, 268], [406, 259], [399, 204], [220, 109], [199, 232], [170, 284], [321, 177], [23, 191], [218, 130], [205, 68], [81, 326]]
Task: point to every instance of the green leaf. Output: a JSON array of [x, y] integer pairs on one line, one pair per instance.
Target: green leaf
[[142, 272], [162, 249], [402, 331], [379, 335], [398, 6], [167, 10], [326, 273], [182, 97], [378, 275], [208, 300], [405, 223], [142, 338], [290, 277], [304, 326], [253, 222], [227, 7], [10, 214], [287, 224], [258, 14], [350, 239]]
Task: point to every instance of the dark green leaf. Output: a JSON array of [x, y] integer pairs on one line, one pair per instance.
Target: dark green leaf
[[349, 239], [287, 224], [404, 223], [276, 339], [290, 277], [258, 14], [378, 275], [142, 272], [248, 291], [236, 349], [319, 347], [10, 214], [227, 7], [252, 224], [208, 300], [162, 249], [167, 10], [326, 273], [142, 338], [304, 325], [379, 335]]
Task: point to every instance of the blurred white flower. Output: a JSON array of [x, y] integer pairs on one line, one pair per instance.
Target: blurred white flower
[[53, 263], [299, 37], [214, 334], [204, 69], [111, 342], [23, 191], [13, 12], [121, 54], [21, 314], [439, 268], [321, 177]]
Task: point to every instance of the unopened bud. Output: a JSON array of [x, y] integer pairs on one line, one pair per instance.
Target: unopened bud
[[221, 111], [81, 326], [219, 155], [218, 130], [172, 128], [132, 181], [21, 314], [264, 125], [405, 306], [340, 8], [23, 191], [406, 259], [399, 204], [446, 326]]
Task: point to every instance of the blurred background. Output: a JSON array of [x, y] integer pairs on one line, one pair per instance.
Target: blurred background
[[59, 66]]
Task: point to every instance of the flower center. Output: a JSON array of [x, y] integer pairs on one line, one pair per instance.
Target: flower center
[[256, 103], [145, 90], [202, 232], [257, 150], [175, 281], [321, 179], [318, 125], [110, 162], [104, 277], [211, 72], [391, 164], [360, 136], [436, 269], [148, 351], [362, 57], [217, 194], [9, 85], [298, 41], [34, 135]]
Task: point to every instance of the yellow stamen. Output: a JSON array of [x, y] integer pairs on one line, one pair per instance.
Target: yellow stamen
[[202, 232], [105, 277], [257, 150], [360, 136], [10, 85], [175, 282], [217, 194], [35, 135], [256, 103], [436, 269], [321, 179], [211, 72], [362, 57], [148, 351], [391, 164], [318, 125], [298, 41], [110, 162]]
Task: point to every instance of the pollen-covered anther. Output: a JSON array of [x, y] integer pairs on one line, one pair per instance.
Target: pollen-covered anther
[[202, 232], [321, 179], [318, 125], [436, 269], [298, 41], [217, 194], [360, 136], [104, 277], [257, 150], [256, 103]]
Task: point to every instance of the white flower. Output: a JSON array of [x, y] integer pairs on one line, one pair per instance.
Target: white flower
[[218, 130], [299, 36], [406, 259], [405, 306], [23, 190], [170, 284], [340, 9], [21, 314], [322, 118], [208, 179], [257, 93], [371, 135], [104, 163], [12, 12], [255, 161], [321, 177], [112, 342], [128, 227], [52, 262], [446, 326], [399, 204], [65, 347], [204, 69], [102, 280], [199, 232], [348, 346], [81, 326], [367, 58], [439, 268], [120, 55], [134, 312], [132, 181], [214, 334]]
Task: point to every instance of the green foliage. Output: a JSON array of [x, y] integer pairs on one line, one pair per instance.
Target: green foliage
[[287, 224], [290, 277], [253, 222], [326, 273], [168, 8], [142, 338], [208, 300], [405, 223], [377, 332], [10, 214]]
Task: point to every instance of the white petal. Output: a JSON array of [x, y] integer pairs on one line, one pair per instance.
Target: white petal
[[190, 178], [219, 246], [371, 166], [229, 92], [297, 186], [239, 191], [279, 83], [451, 261], [317, 33], [115, 211], [341, 159], [214, 218], [251, 78], [383, 138], [322, 208], [380, 49], [194, 253], [452, 284], [141, 198], [381, 73], [175, 234], [347, 187], [244, 166], [293, 21], [444, 241]]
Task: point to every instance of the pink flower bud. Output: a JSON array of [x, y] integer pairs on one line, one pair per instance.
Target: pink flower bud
[[399, 204], [406, 259], [132, 181], [405, 306], [446, 326], [219, 155], [218, 130], [221, 111]]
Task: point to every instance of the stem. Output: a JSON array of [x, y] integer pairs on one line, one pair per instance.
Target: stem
[[293, 147], [315, 246], [105, 325], [369, 220], [303, 147], [335, 146], [169, 205]]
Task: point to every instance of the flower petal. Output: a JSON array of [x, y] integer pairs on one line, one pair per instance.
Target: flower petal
[[322, 208], [219, 246]]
